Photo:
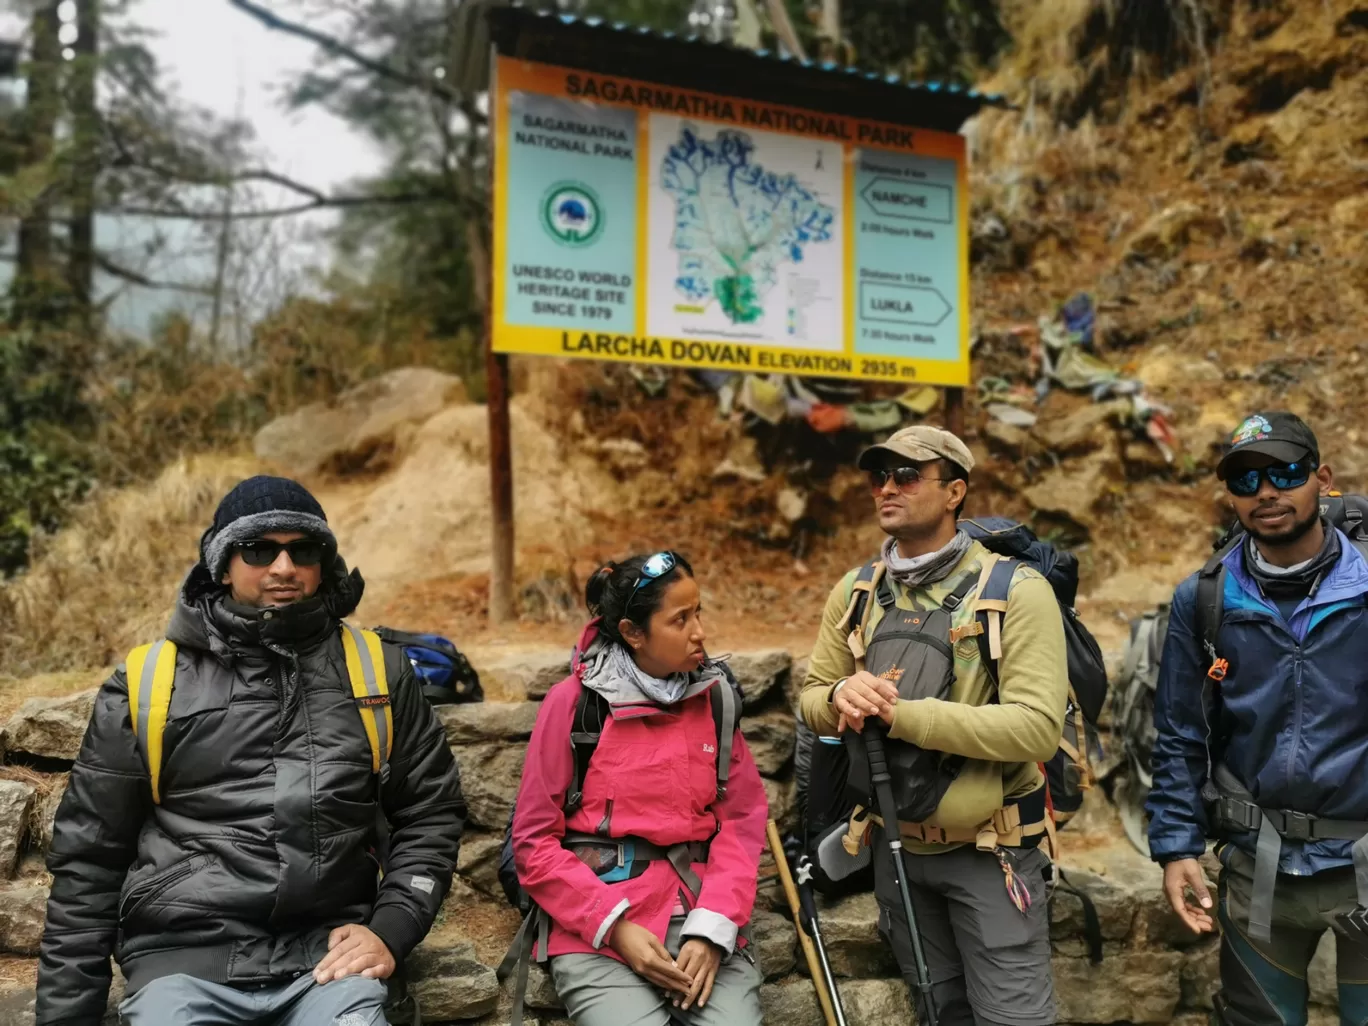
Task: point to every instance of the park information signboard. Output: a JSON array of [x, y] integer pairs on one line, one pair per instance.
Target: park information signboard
[[655, 224]]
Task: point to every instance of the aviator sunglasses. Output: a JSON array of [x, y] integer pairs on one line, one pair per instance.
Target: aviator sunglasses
[[263, 552], [653, 569], [1282, 476], [903, 477]]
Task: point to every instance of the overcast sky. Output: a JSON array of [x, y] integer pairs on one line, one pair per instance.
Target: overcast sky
[[214, 56], [213, 52]]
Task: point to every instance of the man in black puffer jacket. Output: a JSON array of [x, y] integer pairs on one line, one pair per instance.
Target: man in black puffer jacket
[[239, 884]]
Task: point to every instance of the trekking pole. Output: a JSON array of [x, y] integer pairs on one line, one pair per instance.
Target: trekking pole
[[791, 892], [808, 903], [888, 810]]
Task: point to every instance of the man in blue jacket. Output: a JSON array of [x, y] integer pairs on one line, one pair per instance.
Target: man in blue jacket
[[1262, 720]]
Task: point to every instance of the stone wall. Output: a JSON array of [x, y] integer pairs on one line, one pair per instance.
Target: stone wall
[[1151, 971]]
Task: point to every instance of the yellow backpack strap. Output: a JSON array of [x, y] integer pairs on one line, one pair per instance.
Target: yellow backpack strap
[[370, 688], [151, 672]]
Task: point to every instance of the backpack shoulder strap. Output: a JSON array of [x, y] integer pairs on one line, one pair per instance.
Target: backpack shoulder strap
[[591, 713], [151, 673], [1210, 610], [857, 613], [370, 688], [990, 608], [726, 714]]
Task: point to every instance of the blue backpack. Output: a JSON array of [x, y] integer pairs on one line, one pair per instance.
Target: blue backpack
[[444, 674]]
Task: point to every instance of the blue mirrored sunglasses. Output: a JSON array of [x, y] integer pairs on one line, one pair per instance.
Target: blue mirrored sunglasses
[[653, 569], [1283, 477]]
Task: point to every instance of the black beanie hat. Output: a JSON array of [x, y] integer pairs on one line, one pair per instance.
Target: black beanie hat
[[261, 505]]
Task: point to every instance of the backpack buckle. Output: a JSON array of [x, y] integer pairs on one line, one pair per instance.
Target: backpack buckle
[[1297, 826], [1218, 670]]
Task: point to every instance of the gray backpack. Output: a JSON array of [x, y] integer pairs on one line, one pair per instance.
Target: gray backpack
[[1133, 721]]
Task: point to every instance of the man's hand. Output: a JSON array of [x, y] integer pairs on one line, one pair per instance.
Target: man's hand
[[865, 695], [1184, 881], [354, 950], [642, 950], [700, 959]]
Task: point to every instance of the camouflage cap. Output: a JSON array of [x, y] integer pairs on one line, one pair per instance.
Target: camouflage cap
[[920, 443]]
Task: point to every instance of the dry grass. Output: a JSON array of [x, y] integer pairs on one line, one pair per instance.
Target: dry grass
[[106, 582]]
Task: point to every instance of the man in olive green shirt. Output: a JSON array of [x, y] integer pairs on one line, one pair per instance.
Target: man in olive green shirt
[[976, 872]]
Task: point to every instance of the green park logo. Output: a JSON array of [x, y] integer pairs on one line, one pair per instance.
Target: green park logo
[[572, 214]]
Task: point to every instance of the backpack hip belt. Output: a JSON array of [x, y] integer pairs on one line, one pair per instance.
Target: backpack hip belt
[[681, 856], [1232, 814], [1005, 828]]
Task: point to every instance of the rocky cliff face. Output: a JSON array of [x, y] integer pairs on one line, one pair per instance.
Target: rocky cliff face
[[1150, 971]]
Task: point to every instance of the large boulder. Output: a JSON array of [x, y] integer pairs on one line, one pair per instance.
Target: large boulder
[[521, 674], [22, 911], [783, 803], [793, 1002], [760, 672], [364, 425], [1127, 986], [488, 721], [541, 991], [16, 806], [449, 983], [776, 943], [850, 928], [50, 728], [1086, 428], [44, 814], [771, 738], [490, 774], [479, 862]]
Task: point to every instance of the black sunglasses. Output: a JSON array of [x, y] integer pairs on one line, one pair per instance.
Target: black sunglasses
[[263, 552], [1282, 476], [903, 477]]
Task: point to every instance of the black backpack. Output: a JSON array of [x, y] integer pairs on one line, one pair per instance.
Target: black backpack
[[591, 714], [1069, 772]]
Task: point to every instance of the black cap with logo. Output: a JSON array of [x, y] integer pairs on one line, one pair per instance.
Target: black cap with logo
[[1276, 434]]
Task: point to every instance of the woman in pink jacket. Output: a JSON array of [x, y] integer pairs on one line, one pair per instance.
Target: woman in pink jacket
[[648, 875]]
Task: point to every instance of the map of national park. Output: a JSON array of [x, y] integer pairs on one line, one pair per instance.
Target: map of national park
[[735, 222]]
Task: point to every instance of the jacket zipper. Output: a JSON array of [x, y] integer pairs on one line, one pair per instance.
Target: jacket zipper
[[159, 886], [1296, 717]]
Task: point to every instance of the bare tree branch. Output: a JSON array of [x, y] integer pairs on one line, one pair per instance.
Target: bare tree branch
[[104, 263], [337, 48], [321, 203]]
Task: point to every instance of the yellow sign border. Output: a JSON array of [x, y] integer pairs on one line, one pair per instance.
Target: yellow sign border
[[511, 74]]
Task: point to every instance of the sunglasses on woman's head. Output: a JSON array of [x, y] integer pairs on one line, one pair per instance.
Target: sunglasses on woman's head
[[260, 552], [653, 569], [1282, 476], [903, 478]]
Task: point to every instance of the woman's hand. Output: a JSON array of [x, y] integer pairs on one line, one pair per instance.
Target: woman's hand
[[700, 959], [642, 950]]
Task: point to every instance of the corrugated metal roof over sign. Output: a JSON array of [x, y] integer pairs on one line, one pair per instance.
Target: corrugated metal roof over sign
[[594, 45]]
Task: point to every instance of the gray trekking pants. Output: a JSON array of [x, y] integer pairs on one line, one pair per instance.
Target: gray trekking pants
[[601, 991], [989, 964], [182, 1000]]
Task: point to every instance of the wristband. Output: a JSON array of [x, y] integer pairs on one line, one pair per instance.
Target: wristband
[[839, 684]]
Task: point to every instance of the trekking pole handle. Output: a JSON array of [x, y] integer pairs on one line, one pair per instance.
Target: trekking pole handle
[[874, 747]]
